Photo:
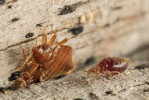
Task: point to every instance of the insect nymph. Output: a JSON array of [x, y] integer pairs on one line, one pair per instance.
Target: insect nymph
[[110, 66], [46, 62]]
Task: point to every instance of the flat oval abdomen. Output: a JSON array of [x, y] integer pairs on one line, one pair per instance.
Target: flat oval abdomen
[[62, 62], [114, 64]]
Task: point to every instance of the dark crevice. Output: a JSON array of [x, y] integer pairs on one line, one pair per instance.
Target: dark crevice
[[14, 76], [14, 20], [39, 25], [90, 60], [142, 66], [70, 8], [93, 96], [78, 99], [117, 8], [76, 30], [5, 1], [59, 77], [2, 89], [16, 44], [28, 35], [9, 7]]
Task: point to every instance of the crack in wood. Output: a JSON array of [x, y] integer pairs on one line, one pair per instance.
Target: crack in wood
[[2, 2], [133, 17], [117, 8]]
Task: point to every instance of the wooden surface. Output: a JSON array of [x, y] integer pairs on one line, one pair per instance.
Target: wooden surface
[[109, 28], [76, 87]]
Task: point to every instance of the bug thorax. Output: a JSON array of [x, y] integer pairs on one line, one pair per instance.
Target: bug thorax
[[93, 70], [42, 53]]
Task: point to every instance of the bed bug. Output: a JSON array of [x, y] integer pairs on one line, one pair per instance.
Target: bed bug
[[110, 66], [46, 62]]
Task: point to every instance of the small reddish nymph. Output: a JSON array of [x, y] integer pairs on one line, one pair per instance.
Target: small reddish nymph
[[110, 66]]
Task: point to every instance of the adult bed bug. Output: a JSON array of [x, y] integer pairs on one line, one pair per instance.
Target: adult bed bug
[[46, 62], [110, 66]]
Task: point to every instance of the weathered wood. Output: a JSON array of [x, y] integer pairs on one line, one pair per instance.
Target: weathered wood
[[110, 28]]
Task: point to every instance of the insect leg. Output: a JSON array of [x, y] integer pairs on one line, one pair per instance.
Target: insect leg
[[52, 30], [50, 43], [87, 75], [89, 72], [44, 38], [116, 72], [23, 83], [36, 42], [95, 78], [27, 73], [42, 76], [62, 42], [24, 55], [54, 37], [108, 73], [69, 71], [23, 51], [26, 60], [33, 68]]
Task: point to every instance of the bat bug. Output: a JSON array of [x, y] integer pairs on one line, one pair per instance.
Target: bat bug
[[110, 66], [46, 61]]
